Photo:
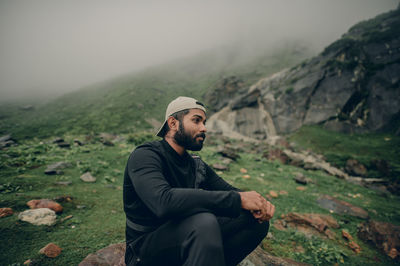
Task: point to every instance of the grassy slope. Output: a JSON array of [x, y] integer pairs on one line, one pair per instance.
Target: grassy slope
[[101, 222], [124, 103]]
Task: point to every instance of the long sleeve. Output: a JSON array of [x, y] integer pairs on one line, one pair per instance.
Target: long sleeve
[[146, 173]]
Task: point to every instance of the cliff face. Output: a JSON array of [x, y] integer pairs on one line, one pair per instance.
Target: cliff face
[[352, 86]]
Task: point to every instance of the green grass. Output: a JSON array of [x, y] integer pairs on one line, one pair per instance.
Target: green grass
[[102, 220]]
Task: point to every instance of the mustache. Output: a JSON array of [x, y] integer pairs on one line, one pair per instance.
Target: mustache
[[203, 135]]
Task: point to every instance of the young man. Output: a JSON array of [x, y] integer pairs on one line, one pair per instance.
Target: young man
[[178, 210]]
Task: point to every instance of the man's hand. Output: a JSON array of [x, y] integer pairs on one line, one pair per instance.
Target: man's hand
[[261, 209]]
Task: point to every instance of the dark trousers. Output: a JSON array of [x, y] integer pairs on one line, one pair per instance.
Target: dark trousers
[[200, 239]]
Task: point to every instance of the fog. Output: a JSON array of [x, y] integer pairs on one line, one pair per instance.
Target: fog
[[49, 47]]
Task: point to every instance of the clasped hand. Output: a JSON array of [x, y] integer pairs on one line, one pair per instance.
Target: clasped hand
[[261, 209]]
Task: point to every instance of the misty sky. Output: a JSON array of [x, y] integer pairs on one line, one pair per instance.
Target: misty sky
[[58, 46]]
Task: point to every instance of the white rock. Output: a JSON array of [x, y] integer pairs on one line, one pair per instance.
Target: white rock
[[41, 216], [87, 177]]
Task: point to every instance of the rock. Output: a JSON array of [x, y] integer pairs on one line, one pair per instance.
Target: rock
[[283, 192], [346, 235], [78, 142], [28, 107], [277, 154], [229, 153], [42, 216], [355, 247], [308, 223], [300, 178], [273, 194], [107, 139], [341, 207], [5, 138], [220, 167], [260, 257], [63, 183], [246, 176], [54, 169], [63, 144], [384, 236], [58, 140], [221, 94], [87, 177], [111, 255], [4, 212], [355, 168], [243, 170], [226, 161], [64, 198], [301, 188], [45, 203], [382, 166], [51, 250]]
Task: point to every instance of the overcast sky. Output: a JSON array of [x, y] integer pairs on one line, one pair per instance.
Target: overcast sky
[[59, 46]]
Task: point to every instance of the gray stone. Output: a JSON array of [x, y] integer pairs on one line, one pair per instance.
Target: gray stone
[[87, 177], [54, 169], [341, 207], [41, 216], [5, 138]]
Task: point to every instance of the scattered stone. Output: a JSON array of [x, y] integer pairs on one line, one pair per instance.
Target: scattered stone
[[28, 262], [87, 177], [78, 142], [283, 192], [301, 179], [63, 144], [54, 169], [65, 198], [111, 255], [45, 203], [42, 216], [226, 161], [308, 223], [229, 152], [66, 218], [80, 207], [384, 236], [51, 250], [107, 139], [341, 207], [301, 188], [246, 176], [5, 138], [63, 183], [355, 247], [243, 170], [4, 212], [346, 235], [260, 257], [277, 154], [220, 167], [58, 140], [273, 194], [312, 162], [355, 168]]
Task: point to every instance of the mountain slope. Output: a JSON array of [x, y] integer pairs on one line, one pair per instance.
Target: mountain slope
[[132, 102], [352, 86]]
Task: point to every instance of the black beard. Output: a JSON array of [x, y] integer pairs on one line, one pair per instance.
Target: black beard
[[186, 141]]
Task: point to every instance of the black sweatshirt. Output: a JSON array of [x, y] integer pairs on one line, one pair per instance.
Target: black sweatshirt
[[159, 185]]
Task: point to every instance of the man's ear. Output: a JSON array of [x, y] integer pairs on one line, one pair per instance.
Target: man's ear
[[173, 124]]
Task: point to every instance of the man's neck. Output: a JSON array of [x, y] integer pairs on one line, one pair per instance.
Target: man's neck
[[179, 149]]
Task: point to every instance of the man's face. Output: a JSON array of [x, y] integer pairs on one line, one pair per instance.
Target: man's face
[[191, 132]]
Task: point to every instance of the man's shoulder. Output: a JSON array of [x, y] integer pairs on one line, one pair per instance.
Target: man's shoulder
[[148, 148]]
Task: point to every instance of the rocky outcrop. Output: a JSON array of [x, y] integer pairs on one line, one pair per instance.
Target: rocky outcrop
[[352, 86]]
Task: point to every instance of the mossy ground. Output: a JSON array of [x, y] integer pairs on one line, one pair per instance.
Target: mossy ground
[[98, 218]]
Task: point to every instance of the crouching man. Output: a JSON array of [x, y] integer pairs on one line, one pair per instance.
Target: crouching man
[[178, 210]]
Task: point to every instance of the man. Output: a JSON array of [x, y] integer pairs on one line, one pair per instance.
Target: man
[[178, 210]]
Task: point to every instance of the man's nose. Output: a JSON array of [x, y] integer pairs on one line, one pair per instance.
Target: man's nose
[[203, 128]]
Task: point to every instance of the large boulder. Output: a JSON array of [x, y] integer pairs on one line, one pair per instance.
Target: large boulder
[[384, 236]]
